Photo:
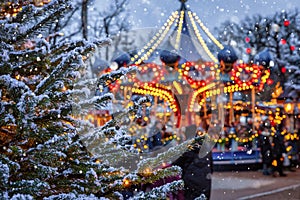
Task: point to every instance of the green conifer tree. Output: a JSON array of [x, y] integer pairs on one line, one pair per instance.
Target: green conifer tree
[[44, 93]]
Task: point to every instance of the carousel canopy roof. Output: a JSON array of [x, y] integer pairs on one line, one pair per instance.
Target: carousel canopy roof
[[263, 58], [182, 33]]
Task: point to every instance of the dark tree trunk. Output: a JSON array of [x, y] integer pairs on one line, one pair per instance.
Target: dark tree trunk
[[84, 19]]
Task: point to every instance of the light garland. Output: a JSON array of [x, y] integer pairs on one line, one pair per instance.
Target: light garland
[[178, 87], [160, 92], [179, 29], [194, 83], [156, 40], [201, 40], [255, 76], [275, 117], [247, 75], [157, 71], [197, 92], [288, 137], [205, 29]]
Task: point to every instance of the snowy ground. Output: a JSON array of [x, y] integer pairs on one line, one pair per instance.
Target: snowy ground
[[236, 183], [253, 185]]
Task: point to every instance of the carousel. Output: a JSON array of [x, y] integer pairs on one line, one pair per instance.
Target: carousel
[[191, 87]]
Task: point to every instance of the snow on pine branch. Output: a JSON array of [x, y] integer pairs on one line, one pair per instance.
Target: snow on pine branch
[[67, 46], [21, 197], [15, 88], [18, 31], [73, 60], [96, 101], [86, 83], [58, 71], [30, 186], [74, 196], [67, 139], [4, 173], [25, 57], [160, 192], [111, 77], [173, 152], [114, 131]]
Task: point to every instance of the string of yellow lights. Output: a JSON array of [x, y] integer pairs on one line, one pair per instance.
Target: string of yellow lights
[[178, 87], [156, 40], [230, 88], [288, 137], [205, 29], [199, 91], [167, 96], [179, 30], [200, 38]]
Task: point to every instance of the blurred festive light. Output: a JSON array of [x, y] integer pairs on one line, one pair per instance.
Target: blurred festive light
[[11, 9], [248, 50], [292, 48], [126, 182], [283, 70], [275, 28], [286, 22], [283, 41], [247, 39], [114, 66], [270, 81]]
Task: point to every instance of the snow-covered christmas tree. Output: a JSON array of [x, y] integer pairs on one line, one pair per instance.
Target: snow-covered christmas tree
[[44, 93]]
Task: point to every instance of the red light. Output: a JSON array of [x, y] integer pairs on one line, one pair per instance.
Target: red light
[[248, 50], [286, 23], [283, 41], [203, 83], [270, 81], [283, 69], [247, 39], [292, 48]]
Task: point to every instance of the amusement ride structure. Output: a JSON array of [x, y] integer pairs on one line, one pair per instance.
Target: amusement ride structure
[[186, 79]]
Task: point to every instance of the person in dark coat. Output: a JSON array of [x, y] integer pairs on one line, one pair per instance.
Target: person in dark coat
[[277, 151], [196, 173], [266, 151]]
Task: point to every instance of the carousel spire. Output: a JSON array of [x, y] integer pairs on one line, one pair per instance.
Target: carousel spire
[[183, 7]]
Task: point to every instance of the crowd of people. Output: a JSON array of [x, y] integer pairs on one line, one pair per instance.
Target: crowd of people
[[277, 152]]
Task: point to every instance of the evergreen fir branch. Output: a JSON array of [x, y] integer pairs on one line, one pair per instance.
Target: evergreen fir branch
[[25, 15], [173, 152], [30, 12], [96, 101], [106, 79], [32, 187], [68, 46], [37, 28], [160, 192], [57, 73], [86, 83], [15, 33], [58, 96], [151, 177], [14, 87], [47, 154]]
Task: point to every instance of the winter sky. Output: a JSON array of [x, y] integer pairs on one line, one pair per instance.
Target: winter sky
[[153, 13]]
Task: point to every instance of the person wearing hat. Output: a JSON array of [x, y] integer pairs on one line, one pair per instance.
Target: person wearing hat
[[266, 151]]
